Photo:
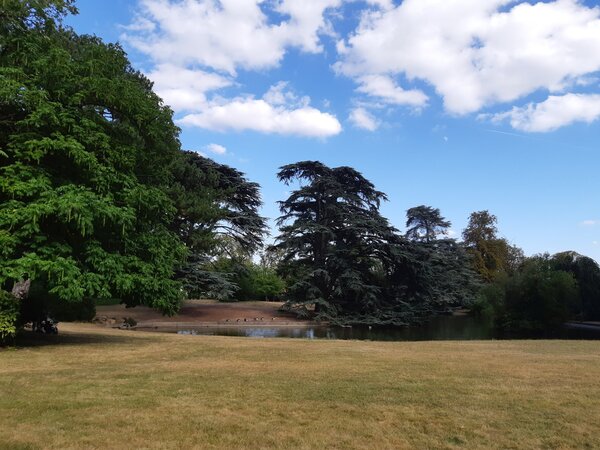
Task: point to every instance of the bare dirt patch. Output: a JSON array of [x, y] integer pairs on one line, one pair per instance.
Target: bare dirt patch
[[201, 313]]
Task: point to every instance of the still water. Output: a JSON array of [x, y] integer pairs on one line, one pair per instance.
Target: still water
[[438, 328]]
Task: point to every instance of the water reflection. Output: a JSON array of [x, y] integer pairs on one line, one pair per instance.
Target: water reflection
[[438, 328]]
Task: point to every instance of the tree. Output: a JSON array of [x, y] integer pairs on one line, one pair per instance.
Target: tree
[[489, 252], [539, 297], [217, 215], [343, 257], [331, 236], [587, 274], [84, 205], [425, 224]]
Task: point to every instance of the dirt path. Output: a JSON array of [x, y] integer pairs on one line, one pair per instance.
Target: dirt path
[[201, 313]]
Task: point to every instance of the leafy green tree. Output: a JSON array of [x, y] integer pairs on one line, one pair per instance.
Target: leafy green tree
[[259, 283], [9, 317], [539, 297], [425, 224], [489, 252], [84, 205], [587, 273]]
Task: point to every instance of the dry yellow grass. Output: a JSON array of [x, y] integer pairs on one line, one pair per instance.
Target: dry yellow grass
[[99, 388]]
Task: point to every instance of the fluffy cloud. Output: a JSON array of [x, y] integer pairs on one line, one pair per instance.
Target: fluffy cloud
[[277, 112], [361, 118], [590, 223], [227, 34], [199, 45], [384, 88], [216, 149], [555, 112], [477, 53], [185, 89]]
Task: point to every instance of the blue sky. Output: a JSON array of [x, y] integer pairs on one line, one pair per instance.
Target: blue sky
[[460, 105]]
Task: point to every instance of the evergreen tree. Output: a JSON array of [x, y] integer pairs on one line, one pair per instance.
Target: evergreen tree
[[425, 224], [217, 216], [331, 235], [346, 260]]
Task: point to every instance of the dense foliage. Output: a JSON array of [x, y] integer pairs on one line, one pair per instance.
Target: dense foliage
[[587, 274], [542, 293], [97, 200], [9, 317], [87, 147], [425, 223], [217, 217], [252, 281], [349, 264]]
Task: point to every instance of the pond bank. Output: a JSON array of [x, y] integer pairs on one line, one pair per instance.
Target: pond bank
[[263, 319], [201, 313]]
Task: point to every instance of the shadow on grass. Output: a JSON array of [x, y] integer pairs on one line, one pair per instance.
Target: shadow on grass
[[28, 339]]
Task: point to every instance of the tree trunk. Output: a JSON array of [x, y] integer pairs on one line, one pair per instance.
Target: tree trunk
[[21, 289]]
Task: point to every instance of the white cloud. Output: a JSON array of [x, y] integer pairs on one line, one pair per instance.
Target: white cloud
[[477, 53], [216, 148], [361, 118], [590, 223], [280, 94], [227, 34], [199, 45], [385, 4], [383, 87], [140, 24], [553, 113], [278, 112], [184, 89]]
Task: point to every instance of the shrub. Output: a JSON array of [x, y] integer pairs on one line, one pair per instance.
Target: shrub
[[259, 283], [9, 317]]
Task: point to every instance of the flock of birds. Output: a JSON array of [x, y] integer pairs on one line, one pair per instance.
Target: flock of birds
[[256, 319]]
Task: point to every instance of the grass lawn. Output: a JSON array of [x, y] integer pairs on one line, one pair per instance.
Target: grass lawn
[[99, 388]]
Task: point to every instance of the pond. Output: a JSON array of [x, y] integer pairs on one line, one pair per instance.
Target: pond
[[438, 328]]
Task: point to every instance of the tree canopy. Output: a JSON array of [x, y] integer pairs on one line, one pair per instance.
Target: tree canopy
[[217, 215], [97, 200], [348, 261], [491, 254], [587, 274], [425, 223], [83, 205]]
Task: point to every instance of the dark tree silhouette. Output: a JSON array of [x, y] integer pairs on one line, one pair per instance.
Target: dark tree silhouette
[[425, 224], [348, 261]]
